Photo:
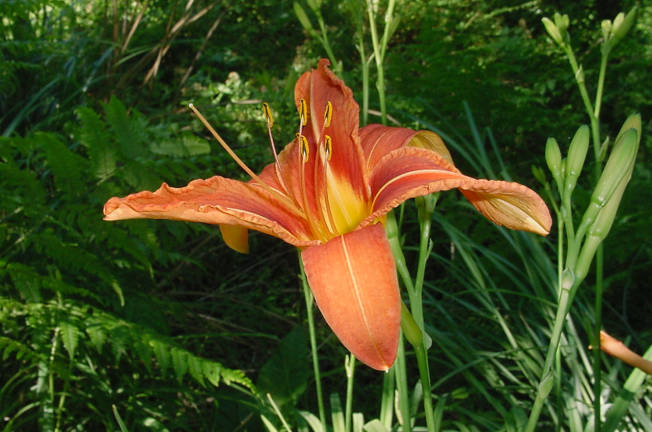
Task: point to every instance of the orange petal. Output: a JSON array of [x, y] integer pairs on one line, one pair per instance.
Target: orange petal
[[409, 172], [378, 140], [217, 200], [235, 237], [353, 279], [318, 88]]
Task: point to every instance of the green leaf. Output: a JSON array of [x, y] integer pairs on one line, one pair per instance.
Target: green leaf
[[303, 17], [66, 166], [285, 375], [179, 362], [375, 426], [162, 354], [70, 337], [101, 148], [129, 132], [312, 420], [189, 145]]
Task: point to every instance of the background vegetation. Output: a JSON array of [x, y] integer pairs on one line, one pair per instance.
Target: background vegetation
[[152, 325]]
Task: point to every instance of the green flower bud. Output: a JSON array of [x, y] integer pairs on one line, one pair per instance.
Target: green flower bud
[[539, 174], [606, 29], [553, 159], [632, 122], [579, 146], [552, 30], [562, 22], [618, 166], [411, 330], [621, 27]]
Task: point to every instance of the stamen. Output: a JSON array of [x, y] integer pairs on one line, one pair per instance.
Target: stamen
[[270, 122], [328, 147], [327, 213], [268, 115], [303, 112], [328, 113], [224, 145], [304, 149], [242, 165], [304, 154]]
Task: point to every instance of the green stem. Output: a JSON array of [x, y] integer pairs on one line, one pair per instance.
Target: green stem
[[424, 373], [378, 56], [365, 82], [402, 385], [387, 399], [349, 367], [313, 344], [414, 293], [597, 357], [565, 298], [599, 257]]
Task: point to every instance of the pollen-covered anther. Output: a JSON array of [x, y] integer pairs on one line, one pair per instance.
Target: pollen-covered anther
[[328, 114], [328, 147], [303, 112], [303, 147], [268, 115]]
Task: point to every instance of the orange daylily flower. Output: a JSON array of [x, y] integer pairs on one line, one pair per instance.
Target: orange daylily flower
[[325, 194]]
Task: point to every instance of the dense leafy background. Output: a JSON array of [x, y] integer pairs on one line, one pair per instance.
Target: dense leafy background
[[158, 324]]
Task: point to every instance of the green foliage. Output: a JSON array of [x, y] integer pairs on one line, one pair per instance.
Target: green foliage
[[68, 281], [157, 326], [285, 375]]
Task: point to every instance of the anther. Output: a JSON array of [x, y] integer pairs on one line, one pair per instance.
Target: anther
[[268, 115], [328, 113], [303, 147], [303, 112], [328, 147]]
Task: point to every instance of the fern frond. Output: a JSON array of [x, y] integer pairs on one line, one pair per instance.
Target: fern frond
[[101, 148]]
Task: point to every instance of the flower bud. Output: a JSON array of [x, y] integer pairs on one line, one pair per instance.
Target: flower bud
[[618, 166], [579, 146], [606, 29], [410, 328], [539, 174], [621, 25], [553, 159], [562, 22], [552, 30]]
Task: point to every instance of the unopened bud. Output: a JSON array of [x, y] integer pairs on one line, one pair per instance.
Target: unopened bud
[[562, 22], [606, 29], [553, 159], [579, 146], [410, 328], [622, 24], [539, 174], [619, 165], [552, 30]]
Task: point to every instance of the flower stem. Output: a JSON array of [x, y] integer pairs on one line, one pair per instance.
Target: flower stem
[[349, 367], [414, 293], [313, 344], [402, 384]]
